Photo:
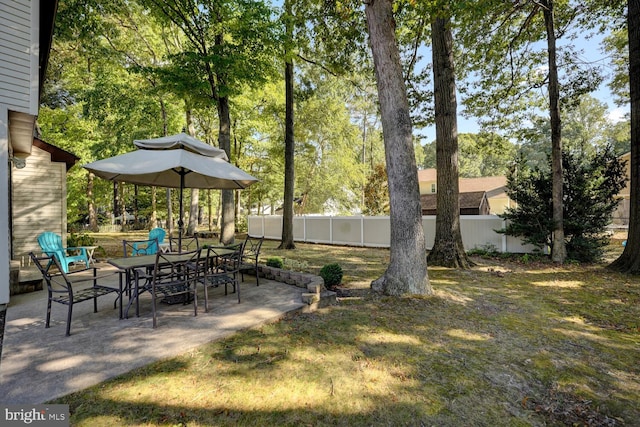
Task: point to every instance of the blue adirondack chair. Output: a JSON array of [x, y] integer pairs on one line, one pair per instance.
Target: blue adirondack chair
[[156, 233], [51, 244]]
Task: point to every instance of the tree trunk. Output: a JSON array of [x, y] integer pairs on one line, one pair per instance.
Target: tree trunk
[[227, 229], [169, 212], [136, 217], [195, 193], [122, 207], [210, 211], [407, 270], [558, 249], [448, 249], [629, 261], [289, 144], [93, 217], [116, 200], [154, 208], [193, 212], [165, 132]]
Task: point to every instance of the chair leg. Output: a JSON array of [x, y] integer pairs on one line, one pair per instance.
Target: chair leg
[[195, 300], [153, 307], [206, 298], [46, 323], [257, 276], [69, 318]]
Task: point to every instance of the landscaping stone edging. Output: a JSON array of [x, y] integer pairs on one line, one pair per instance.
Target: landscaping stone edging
[[317, 296]]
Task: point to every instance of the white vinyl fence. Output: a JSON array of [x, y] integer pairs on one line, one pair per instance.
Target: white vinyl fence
[[478, 231]]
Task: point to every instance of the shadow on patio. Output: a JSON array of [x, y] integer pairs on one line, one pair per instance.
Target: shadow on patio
[[40, 364]]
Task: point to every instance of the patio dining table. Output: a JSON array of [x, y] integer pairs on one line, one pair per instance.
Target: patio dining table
[[128, 265]]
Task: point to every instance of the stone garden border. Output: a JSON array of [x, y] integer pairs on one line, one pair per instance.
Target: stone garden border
[[317, 296]]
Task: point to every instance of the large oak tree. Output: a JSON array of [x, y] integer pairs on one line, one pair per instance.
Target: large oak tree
[[629, 261], [448, 249], [407, 270]]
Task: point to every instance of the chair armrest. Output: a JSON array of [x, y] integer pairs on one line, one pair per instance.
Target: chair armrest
[[75, 277], [83, 251]]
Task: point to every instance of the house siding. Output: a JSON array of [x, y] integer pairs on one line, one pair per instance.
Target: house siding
[[38, 202], [19, 40], [4, 206]]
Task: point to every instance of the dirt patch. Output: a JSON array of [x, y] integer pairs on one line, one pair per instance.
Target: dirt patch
[[569, 410]]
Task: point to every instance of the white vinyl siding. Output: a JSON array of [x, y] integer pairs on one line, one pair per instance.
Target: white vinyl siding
[[19, 40]]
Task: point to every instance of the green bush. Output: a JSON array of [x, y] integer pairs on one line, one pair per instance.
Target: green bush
[[590, 187], [332, 275], [275, 261]]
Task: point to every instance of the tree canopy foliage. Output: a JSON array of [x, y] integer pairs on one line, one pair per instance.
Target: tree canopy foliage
[[124, 71]]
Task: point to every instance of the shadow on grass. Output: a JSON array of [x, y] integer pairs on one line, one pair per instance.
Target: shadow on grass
[[486, 359], [492, 347]]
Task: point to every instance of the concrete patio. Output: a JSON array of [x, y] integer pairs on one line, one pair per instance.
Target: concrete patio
[[41, 364]]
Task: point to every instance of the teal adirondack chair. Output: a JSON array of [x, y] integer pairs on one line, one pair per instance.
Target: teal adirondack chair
[[156, 233], [51, 244]]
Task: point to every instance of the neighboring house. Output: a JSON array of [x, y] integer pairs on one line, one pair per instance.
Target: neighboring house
[[39, 197], [471, 203], [493, 186], [26, 29]]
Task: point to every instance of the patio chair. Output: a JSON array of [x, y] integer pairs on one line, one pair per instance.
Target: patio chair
[[156, 238], [175, 279], [137, 275], [185, 244], [70, 288], [140, 247], [51, 244], [220, 267], [250, 254]]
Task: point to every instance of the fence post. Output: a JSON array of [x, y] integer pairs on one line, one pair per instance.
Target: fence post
[[331, 229], [504, 237]]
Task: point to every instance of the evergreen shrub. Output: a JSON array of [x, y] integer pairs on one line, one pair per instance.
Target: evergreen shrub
[[332, 275]]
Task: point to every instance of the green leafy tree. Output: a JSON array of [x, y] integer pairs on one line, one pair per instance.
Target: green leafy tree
[[590, 188], [328, 157], [481, 154], [511, 68], [230, 45], [586, 129], [91, 85], [616, 44], [376, 192]]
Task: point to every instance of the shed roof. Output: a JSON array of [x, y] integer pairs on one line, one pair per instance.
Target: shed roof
[[469, 200], [57, 154], [493, 185]]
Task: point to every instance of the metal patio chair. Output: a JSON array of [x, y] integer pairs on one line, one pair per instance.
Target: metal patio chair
[[250, 254], [221, 267], [175, 279], [71, 288]]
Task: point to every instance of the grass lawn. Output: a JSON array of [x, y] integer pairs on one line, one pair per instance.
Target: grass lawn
[[504, 344]]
